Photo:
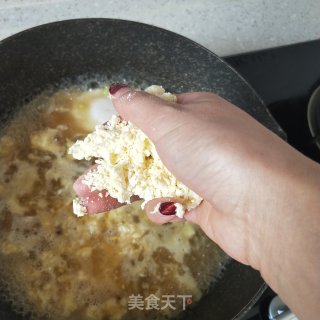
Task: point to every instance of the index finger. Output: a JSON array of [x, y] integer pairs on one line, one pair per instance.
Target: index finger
[[153, 115]]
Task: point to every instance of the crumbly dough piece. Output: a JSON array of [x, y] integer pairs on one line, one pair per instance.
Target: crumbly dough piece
[[128, 163]]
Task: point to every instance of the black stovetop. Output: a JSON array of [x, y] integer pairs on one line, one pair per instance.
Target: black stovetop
[[285, 78]]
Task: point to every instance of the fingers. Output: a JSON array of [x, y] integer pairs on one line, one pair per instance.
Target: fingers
[[192, 97], [167, 204], [100, 201], [154, 116], [94, 201], [81, 189], [203, 215]]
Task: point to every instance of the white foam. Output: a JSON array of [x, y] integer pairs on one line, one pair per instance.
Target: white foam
[[101, 110]]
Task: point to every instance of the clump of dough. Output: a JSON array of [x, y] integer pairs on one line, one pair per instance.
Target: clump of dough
[[128, 163]]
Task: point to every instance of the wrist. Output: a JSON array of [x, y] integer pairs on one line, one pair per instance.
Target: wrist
[[289, 258]]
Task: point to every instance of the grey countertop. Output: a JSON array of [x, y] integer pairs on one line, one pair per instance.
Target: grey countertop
[[223, 26]]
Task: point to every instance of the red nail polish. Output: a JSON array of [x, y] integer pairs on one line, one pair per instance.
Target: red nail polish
[[115, 87], [167, 208]]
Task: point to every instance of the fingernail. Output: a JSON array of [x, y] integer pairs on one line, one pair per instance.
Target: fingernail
[[167, 208], [115, 87]]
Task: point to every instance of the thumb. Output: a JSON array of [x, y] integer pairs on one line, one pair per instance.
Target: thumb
[[153, 115], [162, 210]]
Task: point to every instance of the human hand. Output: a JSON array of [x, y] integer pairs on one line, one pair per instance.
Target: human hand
[[254, 185]]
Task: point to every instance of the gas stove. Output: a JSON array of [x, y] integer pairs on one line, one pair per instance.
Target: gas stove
[[285, 78]]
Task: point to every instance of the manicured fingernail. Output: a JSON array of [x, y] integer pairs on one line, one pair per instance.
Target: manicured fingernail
[[115, 87], [167, 208]]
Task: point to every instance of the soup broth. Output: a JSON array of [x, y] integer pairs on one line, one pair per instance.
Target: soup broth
[[54, 265]]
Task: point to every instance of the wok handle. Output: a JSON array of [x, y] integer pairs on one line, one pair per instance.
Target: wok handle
[[278, 310]]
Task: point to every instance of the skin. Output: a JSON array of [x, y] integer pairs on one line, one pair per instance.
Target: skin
[[261, 197]]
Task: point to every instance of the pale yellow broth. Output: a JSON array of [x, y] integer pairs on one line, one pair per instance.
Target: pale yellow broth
[[57, 266]]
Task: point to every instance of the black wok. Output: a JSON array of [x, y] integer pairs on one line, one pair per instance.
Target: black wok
[[43, 56]]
